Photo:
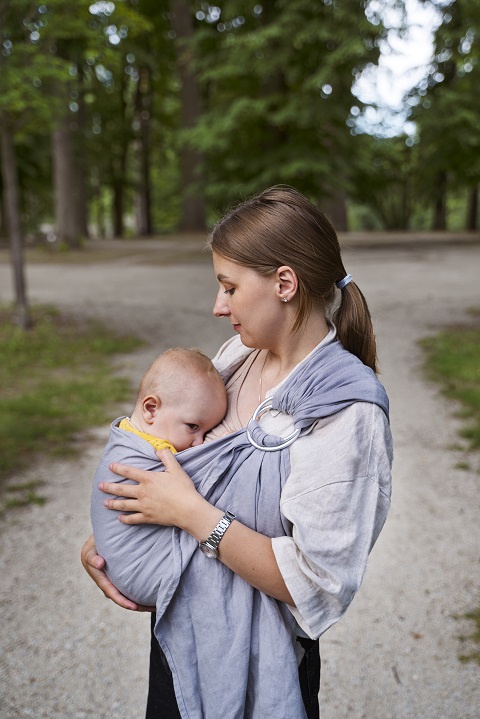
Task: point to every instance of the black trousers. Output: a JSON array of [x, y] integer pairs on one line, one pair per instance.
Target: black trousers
[[161, 703]]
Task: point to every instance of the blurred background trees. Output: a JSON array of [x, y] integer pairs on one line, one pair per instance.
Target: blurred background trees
[[136, 117]]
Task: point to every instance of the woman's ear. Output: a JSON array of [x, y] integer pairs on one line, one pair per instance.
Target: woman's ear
[[286, 283], [150, 405]]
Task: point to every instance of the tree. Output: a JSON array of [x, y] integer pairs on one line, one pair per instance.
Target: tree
[[22, 108], [384, 179], [193, 202], [447, 110], [276, 80]]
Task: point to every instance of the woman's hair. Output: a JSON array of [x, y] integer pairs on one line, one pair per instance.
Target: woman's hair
[[280, 226]]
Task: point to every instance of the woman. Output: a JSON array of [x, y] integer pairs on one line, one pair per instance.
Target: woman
[[277, 261]]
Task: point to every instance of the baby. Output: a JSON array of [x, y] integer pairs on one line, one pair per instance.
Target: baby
[[181, 397]]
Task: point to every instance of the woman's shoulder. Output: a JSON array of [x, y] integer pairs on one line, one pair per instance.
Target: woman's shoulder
[[353, 443], [230, 356], [362, 427]]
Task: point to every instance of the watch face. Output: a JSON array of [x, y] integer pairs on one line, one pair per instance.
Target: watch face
[[209, 551]]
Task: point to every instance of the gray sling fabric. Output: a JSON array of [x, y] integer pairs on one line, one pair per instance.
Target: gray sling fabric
[[231, 648]]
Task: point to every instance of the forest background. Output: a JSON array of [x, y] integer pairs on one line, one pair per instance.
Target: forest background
[[138, 117]]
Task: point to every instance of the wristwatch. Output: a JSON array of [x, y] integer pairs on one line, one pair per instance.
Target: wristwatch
[[210, 546]]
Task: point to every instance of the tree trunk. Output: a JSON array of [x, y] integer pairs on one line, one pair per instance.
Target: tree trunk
[[80, 159], [12, 207], [193, 202], [66, 188], [472, 209], [143, 112], [440, 207], [3, 220], [117, 208], [335, 207]]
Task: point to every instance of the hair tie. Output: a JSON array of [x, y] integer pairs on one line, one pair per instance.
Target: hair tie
[[343, 283]]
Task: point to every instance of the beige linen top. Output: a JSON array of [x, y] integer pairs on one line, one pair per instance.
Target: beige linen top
[[335, 499]]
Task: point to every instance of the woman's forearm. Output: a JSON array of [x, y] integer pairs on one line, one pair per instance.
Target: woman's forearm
[[170, 498], [246, 552]]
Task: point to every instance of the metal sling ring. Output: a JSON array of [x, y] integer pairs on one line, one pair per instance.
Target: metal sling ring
[[287, 441]]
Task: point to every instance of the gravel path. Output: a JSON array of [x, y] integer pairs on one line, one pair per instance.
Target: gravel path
[[66, 652]]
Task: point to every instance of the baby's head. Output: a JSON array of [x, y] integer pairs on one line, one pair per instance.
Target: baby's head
[[181, 397]]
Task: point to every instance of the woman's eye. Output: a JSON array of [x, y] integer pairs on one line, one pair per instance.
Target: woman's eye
[[230, 291], [193, 427]]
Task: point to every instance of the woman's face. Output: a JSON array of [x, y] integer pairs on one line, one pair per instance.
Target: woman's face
[[251, 303]]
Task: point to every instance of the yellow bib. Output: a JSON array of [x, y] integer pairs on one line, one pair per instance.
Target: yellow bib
[[156, 442]]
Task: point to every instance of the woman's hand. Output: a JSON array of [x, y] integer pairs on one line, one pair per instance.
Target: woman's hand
[[94, 565], [170, 498], [165, 498]]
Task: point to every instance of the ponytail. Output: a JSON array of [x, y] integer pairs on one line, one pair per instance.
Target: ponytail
[[354, 325]]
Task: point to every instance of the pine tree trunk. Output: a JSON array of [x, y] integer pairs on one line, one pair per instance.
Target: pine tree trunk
[[193, 202], [472, 209], [65, 178], [12, 207], [142, 146], [117, 209], [440, 207], [335, 207], [3, 220]]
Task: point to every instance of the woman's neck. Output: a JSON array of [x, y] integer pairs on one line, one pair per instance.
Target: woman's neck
[[289, 351]]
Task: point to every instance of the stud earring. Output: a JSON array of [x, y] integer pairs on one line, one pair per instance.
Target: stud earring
[[284, 299]]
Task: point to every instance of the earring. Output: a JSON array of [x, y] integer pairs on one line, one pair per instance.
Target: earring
[[284, 299]]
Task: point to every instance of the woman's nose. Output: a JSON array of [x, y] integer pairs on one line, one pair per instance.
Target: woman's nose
[[220, 308]]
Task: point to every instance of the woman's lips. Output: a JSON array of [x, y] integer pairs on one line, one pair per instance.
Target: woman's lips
[[236, 327]]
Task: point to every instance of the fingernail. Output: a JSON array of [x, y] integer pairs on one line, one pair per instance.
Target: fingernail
[[100, 486], [105, 503]]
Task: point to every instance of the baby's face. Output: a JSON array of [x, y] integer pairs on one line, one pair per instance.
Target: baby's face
[[185, 423]]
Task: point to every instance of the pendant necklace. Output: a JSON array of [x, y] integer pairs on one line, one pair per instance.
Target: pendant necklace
[[261, 372]]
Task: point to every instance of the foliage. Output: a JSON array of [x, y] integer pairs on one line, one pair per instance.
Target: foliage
[[277, 105], [276, 82], [56, 381], [384, 179], [446, 104]]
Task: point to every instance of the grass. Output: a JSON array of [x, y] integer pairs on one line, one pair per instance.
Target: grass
[[452, 358], [472, 639], [56, 381]]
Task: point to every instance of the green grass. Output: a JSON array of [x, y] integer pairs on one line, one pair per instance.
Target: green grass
[[452, 358], [473, 638], [56, 381]]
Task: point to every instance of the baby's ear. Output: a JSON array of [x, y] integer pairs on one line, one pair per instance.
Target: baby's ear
[[150, 406]]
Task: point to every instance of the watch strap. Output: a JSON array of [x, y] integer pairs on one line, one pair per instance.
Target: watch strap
[[210, 545]]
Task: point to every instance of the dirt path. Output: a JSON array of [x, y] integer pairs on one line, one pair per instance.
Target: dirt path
[[65, 652]]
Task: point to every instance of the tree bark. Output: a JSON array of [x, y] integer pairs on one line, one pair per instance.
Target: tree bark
[[65, 178], [335, 207], [117, 208], [12, 207], [143, 112], [193, 202], [472, 209], [440, 207], [80, 159]]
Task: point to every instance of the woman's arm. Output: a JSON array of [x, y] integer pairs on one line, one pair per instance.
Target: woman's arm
[[170, 498]]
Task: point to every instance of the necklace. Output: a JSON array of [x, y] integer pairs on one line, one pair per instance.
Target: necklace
[[260, 391]]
